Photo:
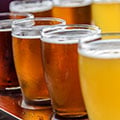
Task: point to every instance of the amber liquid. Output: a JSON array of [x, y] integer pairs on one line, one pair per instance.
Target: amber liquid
[[61, 68], [39, 14], [73, 14], [43, 14], [8, 77], [28, 62]]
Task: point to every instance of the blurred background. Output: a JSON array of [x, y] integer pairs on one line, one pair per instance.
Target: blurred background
[[4, 5]]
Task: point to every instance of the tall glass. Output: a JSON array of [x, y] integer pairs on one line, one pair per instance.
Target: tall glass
[[39, 8], [8, 77], [73, 11], [28, 60], [60, 60], [105, 14], [100, 75]]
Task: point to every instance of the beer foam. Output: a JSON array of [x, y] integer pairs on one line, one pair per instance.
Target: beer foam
[[31, 7], [74, 3], [60, 41], [102, 49]]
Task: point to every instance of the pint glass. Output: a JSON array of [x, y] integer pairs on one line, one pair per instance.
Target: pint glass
[[8, 77], [73, 11], [105, 14], [39, 8], [100, 75], [28, 61], [60, 60]]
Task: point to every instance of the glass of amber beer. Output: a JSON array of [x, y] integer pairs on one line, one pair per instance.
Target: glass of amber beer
[[8, 77], [100, 75], [39, 8], [28, 61], [60, 60], [73, 11]]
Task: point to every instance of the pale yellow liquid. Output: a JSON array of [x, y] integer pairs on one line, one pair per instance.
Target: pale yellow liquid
[[100, 80], [107, 16]]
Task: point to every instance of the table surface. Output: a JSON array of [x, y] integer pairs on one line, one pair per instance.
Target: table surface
[[9, 102]]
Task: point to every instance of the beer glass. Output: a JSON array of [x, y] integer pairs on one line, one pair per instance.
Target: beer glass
[[60, 60], [105, 14], [100, 75], [73, 11], [8, 77], [28, 61], [39, 8]]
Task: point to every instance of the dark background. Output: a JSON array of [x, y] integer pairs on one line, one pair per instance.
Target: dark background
[[4, 5]]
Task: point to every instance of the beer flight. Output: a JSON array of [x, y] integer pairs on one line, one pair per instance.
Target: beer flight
[[58, 54]]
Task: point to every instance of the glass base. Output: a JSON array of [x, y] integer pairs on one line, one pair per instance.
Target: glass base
[[10, 90], [35, 105], [68, 114], [76, 117]]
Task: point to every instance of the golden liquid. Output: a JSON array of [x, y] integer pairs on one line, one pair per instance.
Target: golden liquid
[[61, 68], [100, 80], [73, 14], [107, 16], [28, 63]]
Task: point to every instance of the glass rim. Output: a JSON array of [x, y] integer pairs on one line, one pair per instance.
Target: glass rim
[[8, 21], [50, 32], [16, 23], [97, 37], [27, 25], [99, 48]]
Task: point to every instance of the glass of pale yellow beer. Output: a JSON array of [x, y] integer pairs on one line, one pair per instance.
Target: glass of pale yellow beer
[[99, 62], [105, 14], [8, 76], [28, 62], [39, 8], [73, 11], [60, 61]]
